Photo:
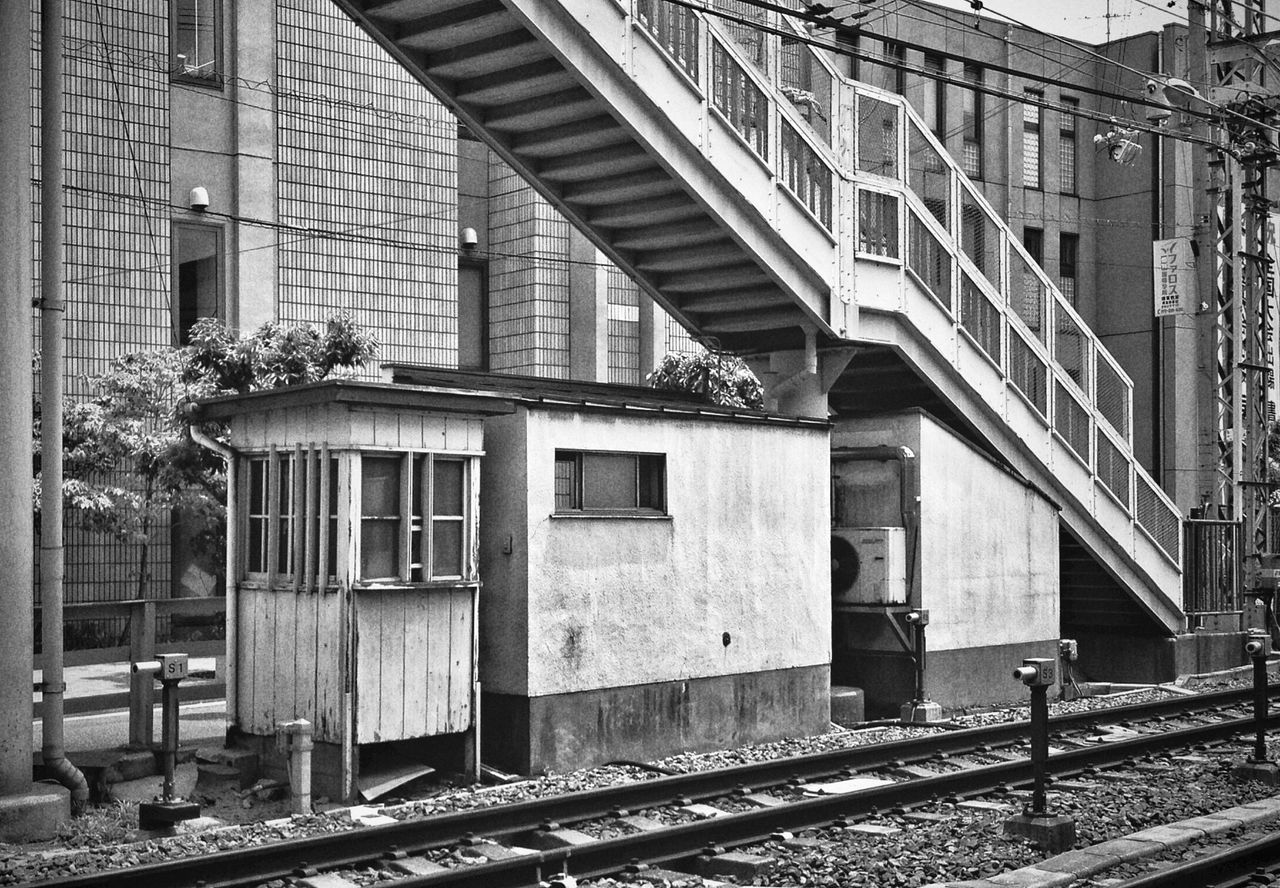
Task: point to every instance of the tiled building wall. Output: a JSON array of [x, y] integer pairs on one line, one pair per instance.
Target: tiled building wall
[[383, 176], [117, 236], [624, 329], [528, 279]]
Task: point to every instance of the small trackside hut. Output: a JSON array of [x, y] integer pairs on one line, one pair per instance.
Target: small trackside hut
[[656, 574], [353, 538]]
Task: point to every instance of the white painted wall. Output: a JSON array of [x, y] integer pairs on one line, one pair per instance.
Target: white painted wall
[[990, 571], [613, 602], [988, 563]]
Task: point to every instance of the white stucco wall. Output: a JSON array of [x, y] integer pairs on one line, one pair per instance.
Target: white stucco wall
[[988, 565], [624, 601], [990, 571]]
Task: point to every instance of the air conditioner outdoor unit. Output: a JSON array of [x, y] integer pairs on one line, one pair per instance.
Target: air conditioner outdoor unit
[[869, 565]]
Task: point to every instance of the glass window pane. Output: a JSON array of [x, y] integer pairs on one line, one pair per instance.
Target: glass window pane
[[566, 483], [608, 481], [446, 557], [379, 549], [448, 488], [380, 486]]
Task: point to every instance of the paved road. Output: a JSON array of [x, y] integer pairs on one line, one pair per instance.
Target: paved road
[[200, 724]]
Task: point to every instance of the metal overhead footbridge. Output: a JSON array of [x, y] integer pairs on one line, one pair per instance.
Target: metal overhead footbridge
[[771, 203]]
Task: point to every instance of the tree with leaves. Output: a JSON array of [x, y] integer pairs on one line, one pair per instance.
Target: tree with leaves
[[130, 462], [719, 378]]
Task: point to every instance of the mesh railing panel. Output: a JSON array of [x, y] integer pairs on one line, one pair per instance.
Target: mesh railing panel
[[1112, 467], [1112, 397], [805, 82], [877, 136], [878, 224], [1028, 294], [930, 176], [676, 30], [735, 95], [1071, 421], [1071, 348], [980, 238], [1162, 523], [750, 40], [980, 318], [929, 260], [805, 174], [1028, 373]]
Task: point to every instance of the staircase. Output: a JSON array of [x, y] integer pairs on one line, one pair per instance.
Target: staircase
[[769, 202]]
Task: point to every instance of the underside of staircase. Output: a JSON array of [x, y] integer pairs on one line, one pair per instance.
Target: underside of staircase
[[603, 109]]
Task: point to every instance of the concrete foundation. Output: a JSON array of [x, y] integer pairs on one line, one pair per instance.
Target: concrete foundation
[[1155, 659], [1263, 772], [35, 815], [1052, 833], [562, 732], [953, 679], [848, 706]]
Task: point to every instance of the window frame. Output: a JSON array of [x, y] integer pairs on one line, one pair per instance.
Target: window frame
[[1033, 125], [1069, 261], [1067, 137], [579, 482], [181, 336], [421, 556], [212, 80], [972, 131], [310, 556]]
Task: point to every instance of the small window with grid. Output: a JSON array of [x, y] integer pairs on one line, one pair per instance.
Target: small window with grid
[[610, 483]]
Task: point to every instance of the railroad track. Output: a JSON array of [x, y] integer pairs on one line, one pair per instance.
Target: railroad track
[[766, 798]]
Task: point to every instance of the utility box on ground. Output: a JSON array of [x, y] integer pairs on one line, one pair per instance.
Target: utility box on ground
[[353, 535]]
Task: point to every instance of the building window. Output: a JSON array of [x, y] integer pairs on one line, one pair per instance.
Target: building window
[[610, 483], [1033, 240], [933, 106], [195, 40], [1068, 250], [196, 281], [896, 76], [1067, 147], [473, 315], [414, 523], [1031, 165], [972, 111]]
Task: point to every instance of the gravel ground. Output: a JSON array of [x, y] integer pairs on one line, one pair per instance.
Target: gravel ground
[[106, 838], [971, 844]]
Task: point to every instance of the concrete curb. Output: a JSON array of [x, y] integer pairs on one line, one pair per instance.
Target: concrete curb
[[1082, 863]]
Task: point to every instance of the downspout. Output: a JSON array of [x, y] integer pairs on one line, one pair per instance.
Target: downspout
[[231, 565], [53, 684]]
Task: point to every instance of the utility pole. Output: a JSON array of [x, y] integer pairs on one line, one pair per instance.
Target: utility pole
[[1233, 223], [27, 811]]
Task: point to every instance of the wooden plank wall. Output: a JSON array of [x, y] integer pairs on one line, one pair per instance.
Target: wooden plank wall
[[291, 655], [414, 662]]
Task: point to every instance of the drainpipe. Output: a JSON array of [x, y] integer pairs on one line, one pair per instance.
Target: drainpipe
[[52, 322], [232, 562]]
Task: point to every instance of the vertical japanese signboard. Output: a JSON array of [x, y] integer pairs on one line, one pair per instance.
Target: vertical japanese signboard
[[1175, 276]]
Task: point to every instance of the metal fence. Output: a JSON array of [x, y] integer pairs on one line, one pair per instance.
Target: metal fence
[[1210, 566]]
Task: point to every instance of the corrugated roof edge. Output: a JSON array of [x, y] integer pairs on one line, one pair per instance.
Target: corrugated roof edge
[[358, 393], [560, 394]]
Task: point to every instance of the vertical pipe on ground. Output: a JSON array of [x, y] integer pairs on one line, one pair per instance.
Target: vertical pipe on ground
[[52, 317], [16, 536]]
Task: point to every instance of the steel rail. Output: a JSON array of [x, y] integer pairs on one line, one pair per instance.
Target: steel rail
[[279, 860], [1234, 865], [680, 843]]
